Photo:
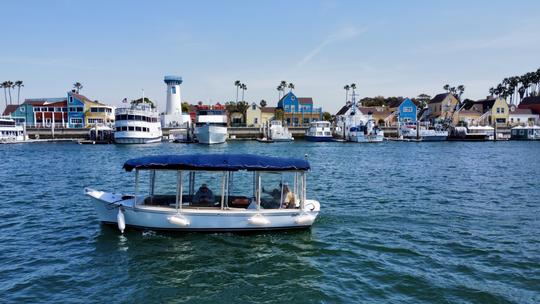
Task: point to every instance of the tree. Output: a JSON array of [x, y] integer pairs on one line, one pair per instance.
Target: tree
[[446, 87], [279, 114], [4, 86], [460, 90], [291, 87], [327, 116], [230, 108], [279, 89], [244, 89], [242, 107], [347, 88], [19, 84], [423, 100], [262, 103], [237, 85], [78, 86], [10, 86], [185, 107]]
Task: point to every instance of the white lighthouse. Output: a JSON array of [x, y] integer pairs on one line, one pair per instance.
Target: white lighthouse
[[172, 117]]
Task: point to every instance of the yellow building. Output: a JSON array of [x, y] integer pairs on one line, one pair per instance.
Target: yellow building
[[469, 117], [95, 112], [494, 110], [257, 116], [442, 107]]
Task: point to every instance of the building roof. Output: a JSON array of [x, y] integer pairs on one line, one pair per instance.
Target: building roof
[[343, 109], [217, 162], [305, 100], [519, 111], [10, 109], [487, 103], [530, 100], [86, 99], [44, 101], [439, 98], [268, 109]]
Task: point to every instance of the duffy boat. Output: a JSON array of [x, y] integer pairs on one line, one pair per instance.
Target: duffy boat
[[239, 192]]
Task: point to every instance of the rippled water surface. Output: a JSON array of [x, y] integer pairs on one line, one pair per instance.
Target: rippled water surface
[[400, 222]]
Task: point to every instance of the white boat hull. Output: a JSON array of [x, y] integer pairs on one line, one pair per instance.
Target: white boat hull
[[136, 140], [208, 134], [366, 138], [167, 218]]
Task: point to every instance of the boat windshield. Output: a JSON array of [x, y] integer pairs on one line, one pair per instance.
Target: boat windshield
[[220, 189]]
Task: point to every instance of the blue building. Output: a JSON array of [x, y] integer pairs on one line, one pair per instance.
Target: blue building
[[75, 107], [407, 111], [298, 110]]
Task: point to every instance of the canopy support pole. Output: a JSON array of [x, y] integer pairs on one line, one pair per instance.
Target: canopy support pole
[[258, 185], [179, 191], [136, 187], [223, 178], [302, 201]]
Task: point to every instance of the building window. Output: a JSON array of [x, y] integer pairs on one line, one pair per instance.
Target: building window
[[256, 120], [76, 121], [407, 109], [498, 110], [70, 99], [254, 107], [95, 120], [502, 110], [173, 89], [22, 109]]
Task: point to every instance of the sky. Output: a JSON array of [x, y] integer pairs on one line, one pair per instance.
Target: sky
[[391, 48]]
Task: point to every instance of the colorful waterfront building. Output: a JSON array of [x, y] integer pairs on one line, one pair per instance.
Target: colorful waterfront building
[[94, 111], [522, 117], [532, 102], [407, 111], [298, 110], [442, 107], [257, 116], [494, 111], [40, 112]]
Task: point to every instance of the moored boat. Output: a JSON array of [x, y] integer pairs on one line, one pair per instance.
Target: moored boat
[[138, 124], [525, 133], [319, 131], [278, 132], [10, 131], [211, 125], [219, 204]]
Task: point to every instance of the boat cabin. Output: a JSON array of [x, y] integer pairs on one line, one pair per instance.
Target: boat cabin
[[219, 182]]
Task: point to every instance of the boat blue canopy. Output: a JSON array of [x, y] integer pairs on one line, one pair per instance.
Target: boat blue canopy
[[217, 162]]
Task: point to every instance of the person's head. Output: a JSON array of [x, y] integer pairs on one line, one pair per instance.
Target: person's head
[[285, 189], [204, 187]]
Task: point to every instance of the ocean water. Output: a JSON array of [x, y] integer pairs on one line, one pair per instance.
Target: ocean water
[[447, 222]]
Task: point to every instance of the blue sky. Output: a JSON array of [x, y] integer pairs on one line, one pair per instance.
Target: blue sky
[[389, 48]]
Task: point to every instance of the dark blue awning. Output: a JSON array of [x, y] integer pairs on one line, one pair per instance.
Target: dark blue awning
[[217, 162]]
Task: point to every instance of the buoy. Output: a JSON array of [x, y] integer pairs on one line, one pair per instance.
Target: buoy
[[304, 219], [121, 220], [259, 220], [178, 220]]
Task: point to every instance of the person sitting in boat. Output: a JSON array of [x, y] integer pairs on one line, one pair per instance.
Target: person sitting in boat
[[289, 201], [274, 203], [204, 196]]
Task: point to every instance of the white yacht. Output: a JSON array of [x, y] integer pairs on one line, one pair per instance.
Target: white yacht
[[231, 197], [138, 124], [211, 125], [319, 131], [472, 133], [278, 132], [10, 131]]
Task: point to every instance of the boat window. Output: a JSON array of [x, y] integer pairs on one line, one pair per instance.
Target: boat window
[[279, 190], [131, 128]]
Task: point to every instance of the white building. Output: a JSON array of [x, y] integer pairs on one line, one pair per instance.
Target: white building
[[173, 117]]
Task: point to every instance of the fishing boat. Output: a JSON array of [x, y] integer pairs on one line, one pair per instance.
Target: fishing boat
[[10, 131], [235, 194], [278, 132], [98, 134], [138, 124], [211, 125], [319, 131], [365, 132]]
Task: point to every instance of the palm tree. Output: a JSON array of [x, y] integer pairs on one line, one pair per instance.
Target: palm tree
[[278, 88], [230, 108], [446, 87], [460, 90], [283, 85], [185, 107], [19, 84], [4, 86], [291, 87], [242, 107], [262, 103], [346, 88], [78, 86], [237, 85], [9, 85], [244, 89]]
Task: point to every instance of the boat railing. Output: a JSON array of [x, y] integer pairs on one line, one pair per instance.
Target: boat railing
[[129, 111]]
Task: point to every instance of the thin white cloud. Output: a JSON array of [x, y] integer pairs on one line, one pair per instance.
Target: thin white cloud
[[343, 34]]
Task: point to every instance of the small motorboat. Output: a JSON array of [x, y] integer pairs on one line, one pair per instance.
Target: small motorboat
[[265, 140], [238, 192]]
